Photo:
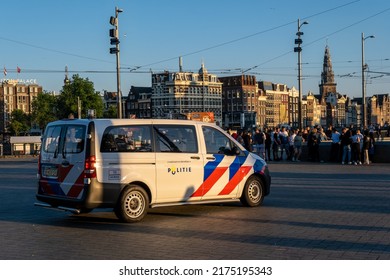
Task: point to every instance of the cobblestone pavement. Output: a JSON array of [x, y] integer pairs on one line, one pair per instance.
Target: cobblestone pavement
[[314, 211]]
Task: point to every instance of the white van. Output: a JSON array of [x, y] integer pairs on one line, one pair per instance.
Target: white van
[[131, 165]]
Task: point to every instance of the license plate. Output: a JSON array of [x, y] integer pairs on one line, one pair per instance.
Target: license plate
[[50, 171]]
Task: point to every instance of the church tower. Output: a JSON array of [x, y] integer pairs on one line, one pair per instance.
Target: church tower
[[327, 84]]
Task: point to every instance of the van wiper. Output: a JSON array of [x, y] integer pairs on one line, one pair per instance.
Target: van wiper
[[56, 151]]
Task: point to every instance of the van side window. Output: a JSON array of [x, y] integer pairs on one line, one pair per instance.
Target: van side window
[[74, 139], [127, 138], [51, 139], [176, 138], [216, 141]]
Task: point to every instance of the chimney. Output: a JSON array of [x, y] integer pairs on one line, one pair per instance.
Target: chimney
[[180, 64]]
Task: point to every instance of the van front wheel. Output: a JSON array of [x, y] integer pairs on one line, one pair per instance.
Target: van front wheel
[[253, 193], [133, 204]]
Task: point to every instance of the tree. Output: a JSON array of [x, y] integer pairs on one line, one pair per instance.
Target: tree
[[84, 90], [19, 122], [111, 112], [44, 109]]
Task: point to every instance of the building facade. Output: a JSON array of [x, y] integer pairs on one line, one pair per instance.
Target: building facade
[[241, 104], [277, 103], [379, 109], [178, 93], [13, 96], [139, 103]]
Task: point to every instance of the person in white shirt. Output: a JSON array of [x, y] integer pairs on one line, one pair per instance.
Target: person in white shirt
[[291, 137], [357, 137]]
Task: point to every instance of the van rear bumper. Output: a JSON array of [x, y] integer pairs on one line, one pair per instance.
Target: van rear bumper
[[45, 205], [95, 196]]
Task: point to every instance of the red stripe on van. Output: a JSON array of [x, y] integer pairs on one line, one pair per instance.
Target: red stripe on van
[[237, 178], [45, 187], [210, 181], [77, 188]]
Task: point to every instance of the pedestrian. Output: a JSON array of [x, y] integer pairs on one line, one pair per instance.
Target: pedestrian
[[268, 143], [276, 144], [356, 153], [366, 147], [298, 140], [335, 146], [239, 137], [258, 143], [314, 139], [371, 150], [284, 145], [291, 137], [346, 145], [247, 140]]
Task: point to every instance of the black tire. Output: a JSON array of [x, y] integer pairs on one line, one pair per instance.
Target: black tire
[[133, 204], [253, 193]]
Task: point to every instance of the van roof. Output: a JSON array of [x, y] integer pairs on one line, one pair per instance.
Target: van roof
[[126, 121]]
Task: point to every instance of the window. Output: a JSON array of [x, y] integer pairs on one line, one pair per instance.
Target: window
[[74, 139], [216, 141], [52, 139], [176, 138], [129, 138]]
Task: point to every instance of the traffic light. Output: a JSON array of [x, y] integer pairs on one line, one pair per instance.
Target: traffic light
[[114, 35]]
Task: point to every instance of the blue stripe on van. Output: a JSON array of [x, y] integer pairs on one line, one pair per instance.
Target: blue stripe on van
[[233, 168], [211, 165]]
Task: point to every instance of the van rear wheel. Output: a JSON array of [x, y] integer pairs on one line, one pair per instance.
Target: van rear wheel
[[133, 204], [253, 193]]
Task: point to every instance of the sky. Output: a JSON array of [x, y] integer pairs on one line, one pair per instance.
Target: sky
[[254, 37]]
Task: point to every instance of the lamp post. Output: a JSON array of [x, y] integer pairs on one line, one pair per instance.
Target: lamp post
[[114, 34], [364, 66], [298, 49]]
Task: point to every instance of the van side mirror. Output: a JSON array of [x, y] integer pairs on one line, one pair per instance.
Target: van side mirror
[[235, 151]]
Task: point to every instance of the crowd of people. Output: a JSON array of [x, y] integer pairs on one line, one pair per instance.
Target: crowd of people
[[349, 146]]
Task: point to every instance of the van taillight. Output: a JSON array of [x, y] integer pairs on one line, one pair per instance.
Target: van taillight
[[89, 168]]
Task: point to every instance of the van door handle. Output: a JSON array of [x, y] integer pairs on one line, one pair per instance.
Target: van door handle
[[195, 157], [210, 158], [65, 163]]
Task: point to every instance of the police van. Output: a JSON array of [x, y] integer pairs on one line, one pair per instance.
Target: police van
[[132, 165]]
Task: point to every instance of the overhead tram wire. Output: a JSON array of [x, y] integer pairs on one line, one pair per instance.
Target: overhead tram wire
[[51, 71], [135, 69], [319, 39], [132, 69], [248, 36]]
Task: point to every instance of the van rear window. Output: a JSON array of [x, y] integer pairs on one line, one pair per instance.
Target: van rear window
[[51, 139], [74, 139], [127, 138], [64, 139]]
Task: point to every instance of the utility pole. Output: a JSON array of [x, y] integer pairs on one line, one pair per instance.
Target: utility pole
[[364, 66], [114, 34], [298, 49]]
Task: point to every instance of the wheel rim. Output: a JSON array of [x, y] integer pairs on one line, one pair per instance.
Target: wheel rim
[[254, 192], [134, 204]]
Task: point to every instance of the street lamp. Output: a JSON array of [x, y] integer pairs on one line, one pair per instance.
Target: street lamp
[[114, 34], [298, 49], [364, 66]]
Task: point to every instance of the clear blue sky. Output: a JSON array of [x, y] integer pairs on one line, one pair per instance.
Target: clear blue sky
[[43, 36]]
